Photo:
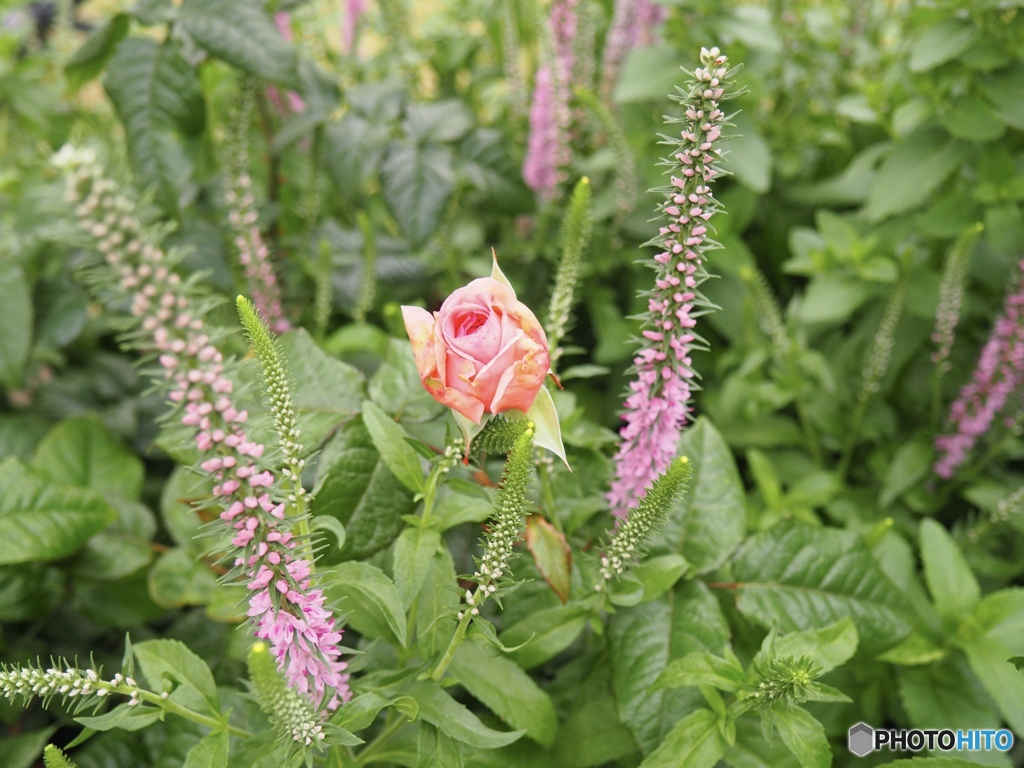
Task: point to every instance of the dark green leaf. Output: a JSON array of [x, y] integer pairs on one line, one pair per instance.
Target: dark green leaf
[[436, 605], [417, 183], [360, 491], [90, 58], [800, 576], [507, 691], [702, 668], [389, 439], [15, 324], [211, 751], [359, 713], [912, 171], [125, 717], [544, 634], [179, 578], [414, 554], [1005, 89], [241, 33], [695, 742], [444, 712], [23, 750], [39, 521], [123, 547], [434, 748]]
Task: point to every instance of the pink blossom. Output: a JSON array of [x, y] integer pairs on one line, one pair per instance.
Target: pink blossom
[[634, 25]]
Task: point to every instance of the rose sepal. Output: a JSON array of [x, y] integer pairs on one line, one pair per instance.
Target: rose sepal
[[547, 432]]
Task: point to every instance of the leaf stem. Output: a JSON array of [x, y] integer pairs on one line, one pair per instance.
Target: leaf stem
[[457, 638]]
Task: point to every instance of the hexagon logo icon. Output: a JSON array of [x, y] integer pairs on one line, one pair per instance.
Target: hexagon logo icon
[[861, 739]]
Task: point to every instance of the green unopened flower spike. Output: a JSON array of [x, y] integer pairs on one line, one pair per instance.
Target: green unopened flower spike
[[788, 679], [627, 543], [289, 711], [767, 307], [53, 757], [500, 433], [507, 524], [275, 377], [576, 232]]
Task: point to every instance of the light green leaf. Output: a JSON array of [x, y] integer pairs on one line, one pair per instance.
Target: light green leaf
[[90, 58], [989, 660], [544, 634], [436, 605], [414, 553], [940, 42], [547, 432], [752, 751], [241, 33], [370, 598], [945, 695], [707, 522], [912, 171], [950, 580], [747, 155], [828, 647], [179, 578], [81, 452], [15, 324], [39, 521], [804, 736], [123, 717], [1000, 614], [389, 439], [171, 663], [507, 691], [434, 748], [444, 712], [913, 460], [833, 298], [695, 742], [801, 576], [702, 668], [123, 547], [359, 713], [659, 574], [649, 74], [211, 751], [1005, 89]]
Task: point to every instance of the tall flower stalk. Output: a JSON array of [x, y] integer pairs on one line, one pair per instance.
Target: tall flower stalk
[[548, 150], [285, 607], [657, 406], [999, 373], [635, 24], [243, 221]]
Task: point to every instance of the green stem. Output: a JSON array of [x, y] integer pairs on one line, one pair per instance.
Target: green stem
[[457, 638], [851, 437], [367, 755], [177, 709], [547, 495], [430, 493]]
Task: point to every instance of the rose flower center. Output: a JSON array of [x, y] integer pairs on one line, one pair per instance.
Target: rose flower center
[[469, 323]]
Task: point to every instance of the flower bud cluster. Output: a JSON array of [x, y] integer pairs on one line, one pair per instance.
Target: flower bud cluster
[[82, 686], [999, 373], [291, 713], [657, 407], [788, 679], [284, 606], [506, 526], [951, 295]]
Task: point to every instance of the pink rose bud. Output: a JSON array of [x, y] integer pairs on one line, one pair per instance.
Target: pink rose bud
[[482, 352]]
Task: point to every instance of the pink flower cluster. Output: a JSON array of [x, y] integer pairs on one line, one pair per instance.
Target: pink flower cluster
[[283, 22], [548, 151], [1000, 373], [634, 25], [353, 10], [261, 282], [284, 607], [658, 404]]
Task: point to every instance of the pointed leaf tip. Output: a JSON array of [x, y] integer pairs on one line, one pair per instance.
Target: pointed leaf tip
[[547, 431]]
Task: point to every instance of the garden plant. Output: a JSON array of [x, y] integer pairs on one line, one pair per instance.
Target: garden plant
[[540, 384]]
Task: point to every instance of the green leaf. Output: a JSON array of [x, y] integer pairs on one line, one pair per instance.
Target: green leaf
[[804, 736], [123, 717], [989, 660], [371, 600], [702, 668], [23, 750], [828, 647], [941, 42], [437, 601], [179, 578], [971, 118], [659, 574], [444, 712], [747, 154], [912, 171], [547, 431], [171, 663], [931, 762], [950, 580], [945, 695], [912, 462], [90, 58], [644, 639], [212, 750], [15, 324], [801, 576], [752, 751], [183, 496], [360, 491], [1001, 616], [1005, 89], [707, 523], [444, 120], [389, 439], [39, 521], [833, 298], [417, 182], [359, 713], [123, 547], [241, 33], [544, 634], [649, 74], [695, 742], [81, 452], [396, 386], [156, 93], [434, 748], [414, 554], [551, 555], [507, 691]]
